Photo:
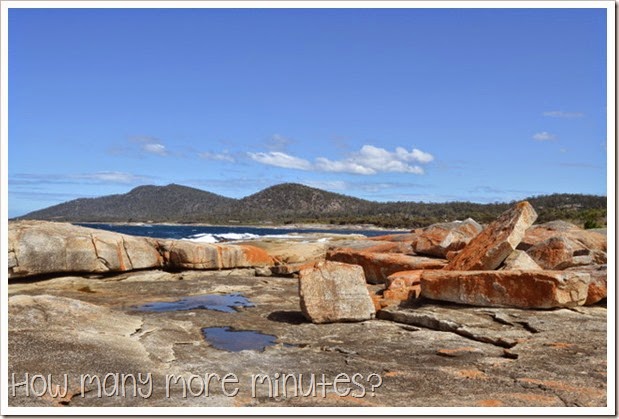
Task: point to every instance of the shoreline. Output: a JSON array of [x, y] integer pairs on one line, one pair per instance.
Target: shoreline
[[301, 226]]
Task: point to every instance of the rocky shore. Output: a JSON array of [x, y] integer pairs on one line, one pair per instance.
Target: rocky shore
[[456, 314]]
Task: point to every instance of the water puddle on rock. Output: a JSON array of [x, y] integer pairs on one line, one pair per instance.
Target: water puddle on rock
[[228, 339], [226, 303]]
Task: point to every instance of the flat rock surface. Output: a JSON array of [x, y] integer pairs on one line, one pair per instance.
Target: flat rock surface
[[426, 355]]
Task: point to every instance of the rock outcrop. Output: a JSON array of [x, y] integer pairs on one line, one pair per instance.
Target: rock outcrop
[[492, 246], [445, 336], [438, 239], [334, 292], [563, 266], [40, 247]]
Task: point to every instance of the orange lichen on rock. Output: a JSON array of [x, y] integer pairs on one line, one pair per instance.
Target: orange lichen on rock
[[492, 246], [524, 289]]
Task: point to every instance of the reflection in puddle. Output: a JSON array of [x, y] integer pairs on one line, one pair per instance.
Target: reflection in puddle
[[226, 303], [227, 339]]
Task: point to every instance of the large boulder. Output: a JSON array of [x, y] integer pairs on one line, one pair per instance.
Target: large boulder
[[378, 266], [589, 239], [559, 253], [490, 248], [37, 247], [438, 239], [334, 292], [522, 289]]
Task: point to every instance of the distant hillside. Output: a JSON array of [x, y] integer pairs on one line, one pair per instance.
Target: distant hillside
[[293, 203], [294, 200], [171, 203]]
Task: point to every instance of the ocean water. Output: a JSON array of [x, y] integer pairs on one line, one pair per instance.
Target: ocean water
[[216, 234]]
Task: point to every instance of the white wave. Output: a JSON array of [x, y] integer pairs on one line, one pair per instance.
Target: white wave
[[216, 238], [201, 238], [237, 236], [282, 236]]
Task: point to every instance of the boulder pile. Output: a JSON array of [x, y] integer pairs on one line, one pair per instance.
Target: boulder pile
[[509, 263]]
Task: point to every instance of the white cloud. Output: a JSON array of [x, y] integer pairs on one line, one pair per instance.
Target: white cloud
[[415, 155], [150, 145], [110, 177], [346, 166], [544, 136], [279, 159], [217, 156], [369, 160], [155, 148], [563, 114]]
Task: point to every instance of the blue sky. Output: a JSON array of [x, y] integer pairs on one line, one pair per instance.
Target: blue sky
[[426, 105]]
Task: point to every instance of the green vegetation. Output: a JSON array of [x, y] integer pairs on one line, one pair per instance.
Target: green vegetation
[[292, 203]]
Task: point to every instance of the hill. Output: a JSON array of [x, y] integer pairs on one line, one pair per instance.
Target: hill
[[299, 201], [171, 203], [294, 203]]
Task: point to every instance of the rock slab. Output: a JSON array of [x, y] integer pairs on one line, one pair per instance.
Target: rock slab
[[522, 289], [334, 292], [495, 243], [378, 266]]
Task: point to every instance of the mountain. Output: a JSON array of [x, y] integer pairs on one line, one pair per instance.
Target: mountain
[[292, 199], [293, 203], [171, 203]]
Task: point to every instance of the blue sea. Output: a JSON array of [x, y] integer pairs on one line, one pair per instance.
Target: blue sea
[[216, 234]]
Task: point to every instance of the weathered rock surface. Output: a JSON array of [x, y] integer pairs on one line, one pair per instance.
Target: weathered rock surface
[[334, 292], [370, 245], [484, 356], [38, 247], [46, 247], [598, 283], [180, 255], [438, 239], [523, 289], [289, 252], [589, 239], [378, 266], [564, 252], [490, 247], [403, 286], [519, 259], [400, 238]]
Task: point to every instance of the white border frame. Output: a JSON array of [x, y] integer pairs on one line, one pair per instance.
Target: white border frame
[[609, 5]]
